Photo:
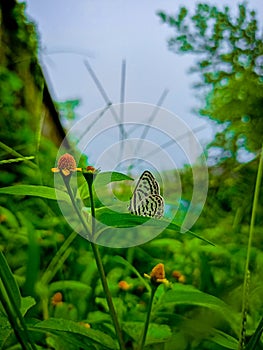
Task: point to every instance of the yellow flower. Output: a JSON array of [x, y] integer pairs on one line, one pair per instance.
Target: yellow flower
[[84, 324], [66, 165], [157, 275]]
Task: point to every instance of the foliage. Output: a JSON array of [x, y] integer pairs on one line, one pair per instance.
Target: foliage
[[230, 50], [178, 313], [51, 291], [126, 301], [67, 109]]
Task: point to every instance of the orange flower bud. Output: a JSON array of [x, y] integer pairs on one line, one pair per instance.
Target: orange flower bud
[[124, 285], [91, 169], [157, 275], [179, 276], [158, 272], [57, 299], [182, 279], [176, 274]]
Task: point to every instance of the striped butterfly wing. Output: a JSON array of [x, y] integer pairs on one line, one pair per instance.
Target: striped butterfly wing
[[146, 199]]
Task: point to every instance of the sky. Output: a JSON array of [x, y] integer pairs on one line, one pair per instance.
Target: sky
[[104, 34]]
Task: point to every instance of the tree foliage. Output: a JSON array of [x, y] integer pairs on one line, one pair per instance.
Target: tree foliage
[[230, 51]]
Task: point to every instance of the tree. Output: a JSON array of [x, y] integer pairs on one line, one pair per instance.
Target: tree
[[231, 66]]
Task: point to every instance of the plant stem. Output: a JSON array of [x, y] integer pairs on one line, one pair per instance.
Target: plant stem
[[108, 294], [101, 270], [66, 181], [250, 239], [147, 321], [97, 256]]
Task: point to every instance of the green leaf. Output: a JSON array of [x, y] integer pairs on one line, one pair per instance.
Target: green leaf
[[255, 339], [98, 317], [38, 191], [162, 16], [123, 220], [11, 300], [223, 339], [8, 282], [107, 177], [188, 295], [26, 304], [9, 289], [164, 243], [156, 333], [5, 329], [117, 219], [70, 331], [70, 284]]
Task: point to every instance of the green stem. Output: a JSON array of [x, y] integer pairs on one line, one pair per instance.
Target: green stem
[[66, 181], [97, 256], [148, 316], [100, 267], [92, 206], [108, 294], [251, 233]]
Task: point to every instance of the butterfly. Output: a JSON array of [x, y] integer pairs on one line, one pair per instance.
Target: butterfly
[[146, 199]]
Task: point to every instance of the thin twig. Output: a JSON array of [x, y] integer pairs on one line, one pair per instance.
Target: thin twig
[[250, 239]]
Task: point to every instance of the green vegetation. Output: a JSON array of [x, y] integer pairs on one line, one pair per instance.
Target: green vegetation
[[230, 67], [61, 291]]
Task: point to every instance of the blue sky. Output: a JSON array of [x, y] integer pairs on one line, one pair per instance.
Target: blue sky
[[105, 33]]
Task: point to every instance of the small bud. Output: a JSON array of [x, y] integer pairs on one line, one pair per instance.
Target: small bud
[[179, 276], [91, 169], [182, 279], [90, 173], [57, 299], [124, 285], [84, 324]]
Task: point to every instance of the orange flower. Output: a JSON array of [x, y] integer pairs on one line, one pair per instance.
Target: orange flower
[[179, 276], [57, 299], [157, 275], [124, 285], [66, 165]]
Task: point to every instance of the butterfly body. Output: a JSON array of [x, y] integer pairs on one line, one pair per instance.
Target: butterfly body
[[146, 199]]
